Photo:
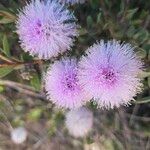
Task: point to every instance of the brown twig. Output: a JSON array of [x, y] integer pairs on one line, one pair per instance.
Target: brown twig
[[14, 64], [5, 59], [23, 89]]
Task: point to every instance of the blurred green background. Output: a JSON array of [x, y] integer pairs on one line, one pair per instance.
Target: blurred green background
[[22, 98]]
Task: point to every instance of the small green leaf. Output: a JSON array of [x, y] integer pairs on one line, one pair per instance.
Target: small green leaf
[[6, 17], [141, 52], [17, 122], [6, 48], [1, 89], [143, 100], [35, 82], [99, 17], [130, 13], [83, 31], [89, 21], [108, 144], [35, 114], [144, 74], [5, 71], [89, 140]]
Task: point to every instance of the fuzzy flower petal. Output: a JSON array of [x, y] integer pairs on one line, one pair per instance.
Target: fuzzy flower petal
[[109, 73], [79, 122], [46, 29], [62, 86]]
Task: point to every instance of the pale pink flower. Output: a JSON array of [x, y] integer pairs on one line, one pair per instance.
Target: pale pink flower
[[79, 122], [62, 86], [109, 73], [46, 29]]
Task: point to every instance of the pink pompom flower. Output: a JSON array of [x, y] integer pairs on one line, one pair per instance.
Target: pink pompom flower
[[46, 29], [109, 73], [79, 122], [62, 85]]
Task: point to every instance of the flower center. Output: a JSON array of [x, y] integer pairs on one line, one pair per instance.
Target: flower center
[[38, 27], [70, 82], [42, 29], [108, 74]]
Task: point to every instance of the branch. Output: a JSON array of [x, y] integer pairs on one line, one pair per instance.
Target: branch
[[143, 101], [21, 63], [5, 59], [28, 90]]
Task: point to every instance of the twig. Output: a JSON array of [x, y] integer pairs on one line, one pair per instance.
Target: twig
[[23, 89], [5, 59], [15, 84], [21, 63], [143, 101]]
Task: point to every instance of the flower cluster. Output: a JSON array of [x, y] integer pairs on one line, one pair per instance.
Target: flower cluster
[[107, 73]]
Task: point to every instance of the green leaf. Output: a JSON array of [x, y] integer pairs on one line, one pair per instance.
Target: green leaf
[[35, 82], [5, 71], [130, 13], [141, 52], [143, 101], [89, 140], [6, 17], [6, 48], [35, 114], [144, 74], [108, 144], [83, 31], [89, 21], [99, 17], [122, 6], [1, 89]]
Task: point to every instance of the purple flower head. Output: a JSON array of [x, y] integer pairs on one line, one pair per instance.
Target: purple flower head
[[62, 85], [46, 29], [79, 121], [72, 2], [109, 73]]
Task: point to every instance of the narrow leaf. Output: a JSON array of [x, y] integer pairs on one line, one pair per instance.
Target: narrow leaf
[[5, 71], [130, 13], [6, 48], [35, 82], [6, 17]]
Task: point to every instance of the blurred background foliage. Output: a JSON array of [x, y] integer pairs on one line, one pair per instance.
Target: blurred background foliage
[[22, 98]]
